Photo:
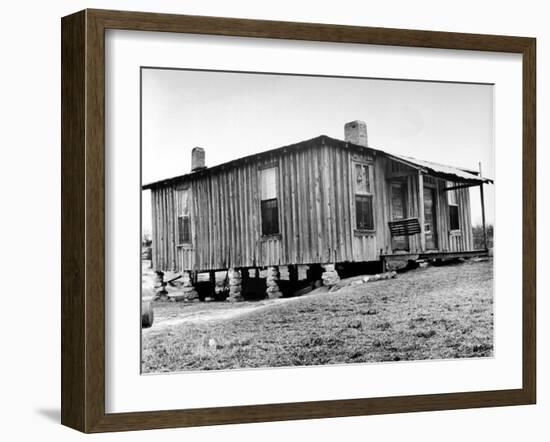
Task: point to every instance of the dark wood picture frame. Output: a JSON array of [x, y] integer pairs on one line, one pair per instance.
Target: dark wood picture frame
[[83, 220]]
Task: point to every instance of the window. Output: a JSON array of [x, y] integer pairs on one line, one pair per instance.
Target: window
[[184, 223], [452, 201], [363, 212], [453, 214], [364, 215], [269, 202]]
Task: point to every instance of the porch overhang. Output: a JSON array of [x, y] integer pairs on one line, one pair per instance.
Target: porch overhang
[[466, 177]]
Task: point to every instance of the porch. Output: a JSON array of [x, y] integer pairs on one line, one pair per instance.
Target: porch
[[429, 213], [429, 255]]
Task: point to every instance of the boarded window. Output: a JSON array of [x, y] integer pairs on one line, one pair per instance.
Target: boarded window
[[452, 200], [184, 222], [364, 211], [269, 201]]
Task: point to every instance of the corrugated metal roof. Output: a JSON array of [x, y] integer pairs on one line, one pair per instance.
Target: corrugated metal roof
[[443, 170], [440, 170]]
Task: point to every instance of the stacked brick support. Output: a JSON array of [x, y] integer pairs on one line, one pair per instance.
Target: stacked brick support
[[272, 282], [189, 292], [160, 287], [235, 285], [330, 275]]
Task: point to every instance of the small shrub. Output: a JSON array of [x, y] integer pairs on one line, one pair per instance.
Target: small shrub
[[482, 348], [426, 334], [383, 325]]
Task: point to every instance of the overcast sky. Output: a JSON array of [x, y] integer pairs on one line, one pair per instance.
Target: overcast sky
[[232, 115]]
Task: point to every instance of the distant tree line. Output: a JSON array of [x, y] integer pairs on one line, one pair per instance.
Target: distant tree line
[[146, 240], [146, 243], [478, 236]]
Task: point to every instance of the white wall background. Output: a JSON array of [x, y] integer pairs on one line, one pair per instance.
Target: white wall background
[[30, 217]]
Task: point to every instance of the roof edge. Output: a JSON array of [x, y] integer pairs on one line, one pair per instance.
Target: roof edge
[[423, 165]]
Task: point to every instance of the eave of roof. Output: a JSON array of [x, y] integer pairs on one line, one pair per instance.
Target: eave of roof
[[440, 170], [322, 139]]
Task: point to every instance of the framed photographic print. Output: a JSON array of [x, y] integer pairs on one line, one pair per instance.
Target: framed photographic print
[[266, 220]]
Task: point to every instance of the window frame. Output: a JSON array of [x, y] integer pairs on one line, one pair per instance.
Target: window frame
[[370, 192], [261, 170], [450, 203], [451, 229], [179, 214]]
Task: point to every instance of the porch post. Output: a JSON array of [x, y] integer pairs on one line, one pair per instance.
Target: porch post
[[483, 209], [421, 210]]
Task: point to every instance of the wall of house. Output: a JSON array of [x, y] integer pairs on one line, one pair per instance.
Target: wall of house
[[316, 213], [316, 217], [163, 240]]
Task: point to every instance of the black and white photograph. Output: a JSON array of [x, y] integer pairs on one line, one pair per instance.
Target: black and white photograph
[[259, 222], [304, 220]]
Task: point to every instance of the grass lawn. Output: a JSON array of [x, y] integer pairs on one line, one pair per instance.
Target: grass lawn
[[432, 313]]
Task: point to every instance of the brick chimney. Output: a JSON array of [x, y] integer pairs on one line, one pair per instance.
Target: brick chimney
[[356, 132], [198, 159]]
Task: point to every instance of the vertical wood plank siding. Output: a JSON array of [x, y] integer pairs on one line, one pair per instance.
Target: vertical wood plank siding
[[316, 213]]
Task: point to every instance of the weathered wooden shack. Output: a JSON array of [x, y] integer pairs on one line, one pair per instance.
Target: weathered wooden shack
[[322, 201]]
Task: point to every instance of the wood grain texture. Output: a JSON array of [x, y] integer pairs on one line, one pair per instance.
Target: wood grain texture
[[83, 216], [315, 200], [73, 253], [225, 203], [529, 221]]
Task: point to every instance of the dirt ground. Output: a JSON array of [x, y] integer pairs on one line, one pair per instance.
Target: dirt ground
[[432, 313]]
